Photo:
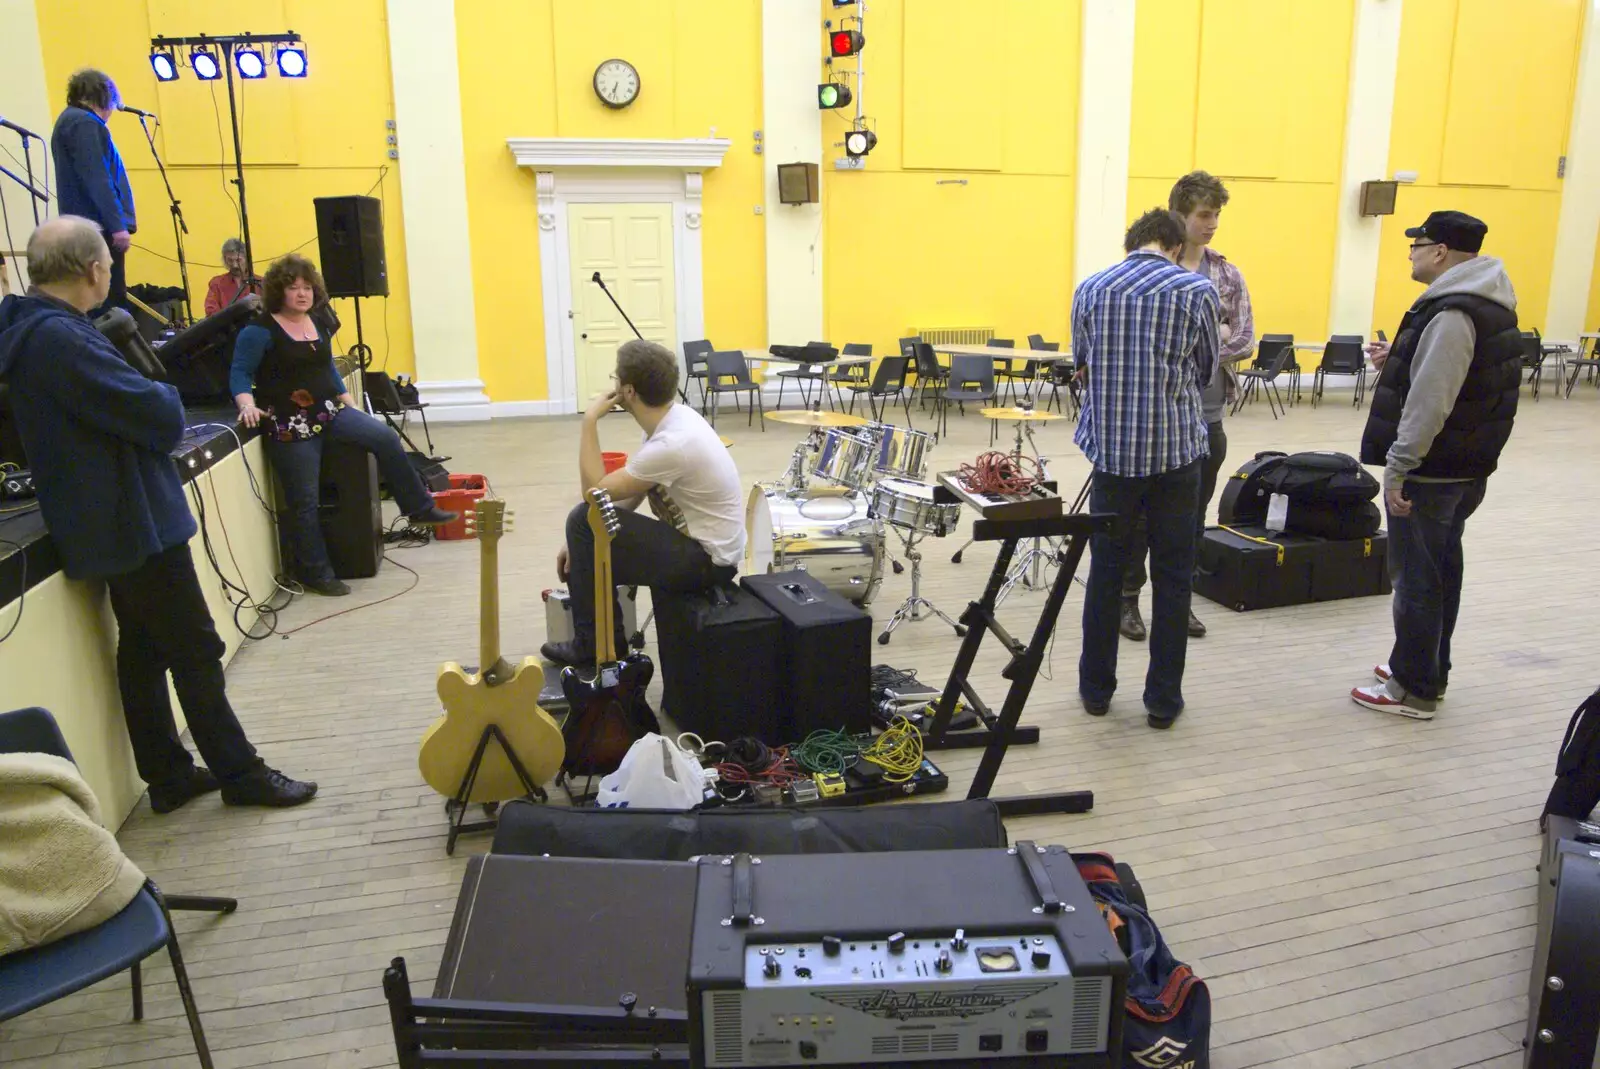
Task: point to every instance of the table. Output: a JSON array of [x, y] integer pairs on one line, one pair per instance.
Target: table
[[761, 356]]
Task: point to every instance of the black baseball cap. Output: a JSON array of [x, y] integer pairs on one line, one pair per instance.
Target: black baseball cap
[[1457, 230]]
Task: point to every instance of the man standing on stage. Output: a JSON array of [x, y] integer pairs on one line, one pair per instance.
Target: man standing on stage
[[98, 437], [1145, 332], [90, 179], [1441, 413], [1199, 199]]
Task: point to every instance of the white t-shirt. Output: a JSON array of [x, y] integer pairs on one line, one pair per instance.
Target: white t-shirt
[[687, 460]]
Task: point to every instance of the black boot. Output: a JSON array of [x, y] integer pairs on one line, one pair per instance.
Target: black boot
[[328, 588], [433, 516], [1197, 629], [1132, 625], [165, 797]]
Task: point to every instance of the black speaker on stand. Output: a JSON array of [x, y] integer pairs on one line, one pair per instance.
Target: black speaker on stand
[[350, 244], [350, 513]]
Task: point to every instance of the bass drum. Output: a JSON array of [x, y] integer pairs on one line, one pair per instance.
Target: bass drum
[[828, 536]]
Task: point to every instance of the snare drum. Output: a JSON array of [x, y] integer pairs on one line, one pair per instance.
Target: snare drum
[[900, 452], [844, 459], [910, 505], [831, 538]]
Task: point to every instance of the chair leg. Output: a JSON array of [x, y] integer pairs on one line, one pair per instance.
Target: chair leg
[[761, 408], [138, 990], [201, 904], [427, 435], [782, 382], [189, 1008]]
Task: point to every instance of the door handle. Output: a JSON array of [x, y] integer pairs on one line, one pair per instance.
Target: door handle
[[584, 336]]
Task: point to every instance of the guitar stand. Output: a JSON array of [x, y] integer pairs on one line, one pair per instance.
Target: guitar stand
[[457, 807], [999, 732]]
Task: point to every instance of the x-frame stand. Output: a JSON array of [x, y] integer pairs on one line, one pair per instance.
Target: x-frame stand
[[457, 806], [1000, 731]]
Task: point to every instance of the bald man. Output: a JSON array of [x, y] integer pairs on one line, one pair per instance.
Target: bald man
[[99, 438]]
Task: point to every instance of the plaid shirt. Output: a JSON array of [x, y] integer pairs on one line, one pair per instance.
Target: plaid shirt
[[1147, 331]]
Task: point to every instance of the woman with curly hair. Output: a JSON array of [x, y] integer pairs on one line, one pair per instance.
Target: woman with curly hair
[[283, 378]]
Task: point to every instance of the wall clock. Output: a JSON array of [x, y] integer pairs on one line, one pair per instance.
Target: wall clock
[[616, 83]]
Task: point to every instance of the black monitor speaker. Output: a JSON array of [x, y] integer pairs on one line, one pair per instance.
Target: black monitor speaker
[[350, 242]]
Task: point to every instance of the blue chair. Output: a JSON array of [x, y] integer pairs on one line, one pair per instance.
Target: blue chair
[[31, 978]]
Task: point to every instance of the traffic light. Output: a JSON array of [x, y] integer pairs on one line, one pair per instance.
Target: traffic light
[[858, 143], [833, 95], [846, 42]]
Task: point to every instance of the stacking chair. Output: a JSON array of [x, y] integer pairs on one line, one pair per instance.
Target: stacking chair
[[694, 367], [888, 382], [1343, 355], [31, 978], [1272, 357], [971, 378], [850, 375], [1577, 364], [729, 373], [1058, 375], [930, 373], [1533, 359], [804, 378], [384, 399]]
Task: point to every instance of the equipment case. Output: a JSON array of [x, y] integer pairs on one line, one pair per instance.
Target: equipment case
[[1564, 983], [720, 653], [1245, 567], [826, 659]]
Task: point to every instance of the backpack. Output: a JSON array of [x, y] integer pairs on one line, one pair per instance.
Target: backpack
[[1330, 494], [1167, 1023], [1319, 478], [1577, 788]]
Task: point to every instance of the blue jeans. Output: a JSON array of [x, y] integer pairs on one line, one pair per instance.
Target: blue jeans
[[299, 468], [1425, 568], [1167, 502]]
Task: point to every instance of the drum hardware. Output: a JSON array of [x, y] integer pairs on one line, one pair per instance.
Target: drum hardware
[[1030, 568], [913, 512]]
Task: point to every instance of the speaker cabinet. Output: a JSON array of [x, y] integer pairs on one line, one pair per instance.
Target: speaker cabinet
[[350, 242]]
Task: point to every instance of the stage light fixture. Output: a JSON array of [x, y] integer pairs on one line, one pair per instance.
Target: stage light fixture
[[844, 3], [833, 95], [858, 143], [846, 42], [204, 63], [292, 61], [165, 64], [249, 64]]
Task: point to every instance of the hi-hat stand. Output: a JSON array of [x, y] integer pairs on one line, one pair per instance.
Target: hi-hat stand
[[1000, 731], [915, 607]]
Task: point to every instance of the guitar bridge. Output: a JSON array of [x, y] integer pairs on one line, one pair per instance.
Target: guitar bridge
[[609, 675]]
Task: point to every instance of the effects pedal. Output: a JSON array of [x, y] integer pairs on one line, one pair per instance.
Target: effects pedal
[[16, 484], [804, 791], [830, 784]]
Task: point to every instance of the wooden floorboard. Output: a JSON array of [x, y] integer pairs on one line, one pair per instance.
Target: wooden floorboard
[[1357, 889]]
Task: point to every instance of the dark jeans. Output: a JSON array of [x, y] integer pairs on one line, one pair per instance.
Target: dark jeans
[[163, 625], [1168, 501], [1133, 578], [299, 468], [1425, 567], [645, 552], [118, 297]]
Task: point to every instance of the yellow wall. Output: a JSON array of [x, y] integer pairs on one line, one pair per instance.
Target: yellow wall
[[1212, 91], [1591, 322], [1482, 108], [526, 71], [321, 136], [986, 95]]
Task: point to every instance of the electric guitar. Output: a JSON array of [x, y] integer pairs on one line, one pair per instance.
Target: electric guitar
[[498, 695], [608, 712]]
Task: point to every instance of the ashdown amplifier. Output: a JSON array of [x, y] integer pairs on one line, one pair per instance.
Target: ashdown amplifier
[[957, 958]]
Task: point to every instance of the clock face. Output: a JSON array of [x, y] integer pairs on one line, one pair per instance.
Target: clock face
[[616, 83]]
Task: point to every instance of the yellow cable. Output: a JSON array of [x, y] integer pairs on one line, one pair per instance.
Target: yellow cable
[[1252, 538], [898, 751]]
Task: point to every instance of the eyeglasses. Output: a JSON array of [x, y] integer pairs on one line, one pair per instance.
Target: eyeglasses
[[1415, 245]]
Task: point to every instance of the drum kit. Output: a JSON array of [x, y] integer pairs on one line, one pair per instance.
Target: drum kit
[[848, 483]]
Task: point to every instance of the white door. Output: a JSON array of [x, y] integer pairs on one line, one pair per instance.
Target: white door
[[631, 246]]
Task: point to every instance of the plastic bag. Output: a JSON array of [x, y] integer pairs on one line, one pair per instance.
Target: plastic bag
[[654, 774]]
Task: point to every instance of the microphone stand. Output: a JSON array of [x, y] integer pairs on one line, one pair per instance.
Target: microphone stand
[[27, 183], [598, 281], [179, 227]]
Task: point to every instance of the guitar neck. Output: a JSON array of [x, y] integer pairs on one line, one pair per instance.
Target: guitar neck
[[605, 602], [489, 606]]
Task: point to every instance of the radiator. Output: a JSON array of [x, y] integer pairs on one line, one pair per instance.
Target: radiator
[[952, 335]]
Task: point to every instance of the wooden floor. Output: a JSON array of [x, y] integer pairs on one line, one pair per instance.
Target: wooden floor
[[1358, 889]]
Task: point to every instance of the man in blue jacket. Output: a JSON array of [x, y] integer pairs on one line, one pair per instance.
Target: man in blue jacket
[[98, 437], [90, 179]]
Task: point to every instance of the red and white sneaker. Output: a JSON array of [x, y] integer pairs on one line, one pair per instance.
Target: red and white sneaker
[[1381, 673], [1390, 698]]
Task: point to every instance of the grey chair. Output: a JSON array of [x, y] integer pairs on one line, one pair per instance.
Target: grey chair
[[1533, 359], [1580, 363], [888, 382], [971, 378], [1272, 357], [851, 375], [1343, 355], [729, 373], [930, 373], [694, 368]]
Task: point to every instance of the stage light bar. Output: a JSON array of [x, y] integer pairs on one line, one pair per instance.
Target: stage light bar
[[165, 64], [833, 95], [204, 63], [846, 42], [249, 63], [292, 61], [858, 143]]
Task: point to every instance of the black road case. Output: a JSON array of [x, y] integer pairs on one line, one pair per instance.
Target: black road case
[[1245, 567]]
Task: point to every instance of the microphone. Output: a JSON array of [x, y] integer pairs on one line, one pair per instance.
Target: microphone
[[596, 279], [139, 112], [23, 130]]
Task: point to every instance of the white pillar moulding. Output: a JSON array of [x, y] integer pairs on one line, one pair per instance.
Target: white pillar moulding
[[1578, 225], [1105, 128], [24, 100], [792, 133], [433, 198], [1374, 59]]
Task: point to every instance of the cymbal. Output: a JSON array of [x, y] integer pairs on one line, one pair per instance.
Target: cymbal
[[1021, 415], [807, 418], [726, 440]]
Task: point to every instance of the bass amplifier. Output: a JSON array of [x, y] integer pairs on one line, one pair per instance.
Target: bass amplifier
[[961, 959], [1564, 984], [719, 662], [825, 664]]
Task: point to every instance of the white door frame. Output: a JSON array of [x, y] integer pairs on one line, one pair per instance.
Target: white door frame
[[612, 171]]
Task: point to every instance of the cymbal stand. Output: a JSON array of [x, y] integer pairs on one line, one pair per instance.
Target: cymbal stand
[[916, 607], [1030, 568]]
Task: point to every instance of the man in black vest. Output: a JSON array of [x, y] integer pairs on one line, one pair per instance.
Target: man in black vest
[[1441, 414]]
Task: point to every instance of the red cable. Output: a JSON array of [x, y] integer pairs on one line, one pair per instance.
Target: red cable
[[1001, 473]]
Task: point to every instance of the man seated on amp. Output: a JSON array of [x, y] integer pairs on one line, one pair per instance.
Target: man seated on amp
[[697, 537]]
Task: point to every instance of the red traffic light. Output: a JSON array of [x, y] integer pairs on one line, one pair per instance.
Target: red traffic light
[[846, 42]]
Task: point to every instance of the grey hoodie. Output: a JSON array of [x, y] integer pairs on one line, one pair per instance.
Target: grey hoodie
[[1441, 362]]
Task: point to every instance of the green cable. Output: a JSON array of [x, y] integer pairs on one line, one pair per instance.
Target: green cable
[[826, 751]]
